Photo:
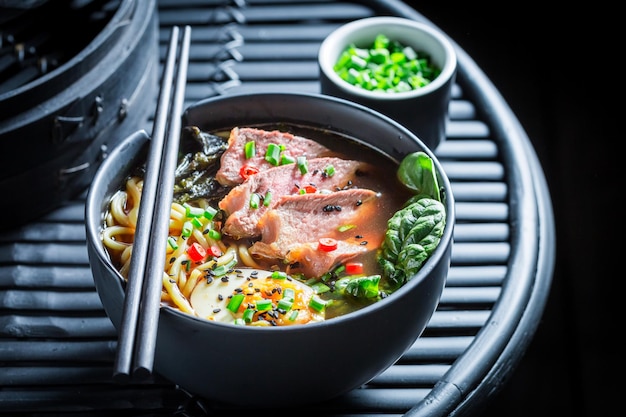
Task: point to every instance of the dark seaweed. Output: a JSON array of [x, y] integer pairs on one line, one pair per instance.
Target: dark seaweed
[[198, 162]]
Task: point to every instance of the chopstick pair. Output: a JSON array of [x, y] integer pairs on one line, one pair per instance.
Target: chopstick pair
[[140, 315]]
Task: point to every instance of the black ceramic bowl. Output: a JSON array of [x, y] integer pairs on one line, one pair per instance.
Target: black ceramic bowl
[[278, 366]]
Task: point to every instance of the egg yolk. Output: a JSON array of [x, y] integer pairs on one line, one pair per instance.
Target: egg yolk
[[280, 302], [255, 298]]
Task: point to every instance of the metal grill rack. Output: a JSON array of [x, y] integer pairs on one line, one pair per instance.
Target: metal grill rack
[[57, 346]]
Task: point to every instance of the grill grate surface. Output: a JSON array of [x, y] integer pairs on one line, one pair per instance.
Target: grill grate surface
[[57, 346]]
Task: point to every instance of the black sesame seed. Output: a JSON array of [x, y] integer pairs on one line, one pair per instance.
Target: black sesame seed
[[220, 297], [224, 278], [217, 310], [363, 243], [359, 202], [359, 236]]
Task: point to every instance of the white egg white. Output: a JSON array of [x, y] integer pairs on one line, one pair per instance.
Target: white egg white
[[209, 299]]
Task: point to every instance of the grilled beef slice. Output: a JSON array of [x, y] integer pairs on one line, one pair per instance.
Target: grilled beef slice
[[292, 228], [242, 220], [234, 157]]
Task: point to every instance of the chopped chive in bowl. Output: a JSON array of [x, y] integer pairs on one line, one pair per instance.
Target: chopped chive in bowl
[[386, 65]]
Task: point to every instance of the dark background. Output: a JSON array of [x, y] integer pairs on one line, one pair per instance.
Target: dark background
[[558, 74]]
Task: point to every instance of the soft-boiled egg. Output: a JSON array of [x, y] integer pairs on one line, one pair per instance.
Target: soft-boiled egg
[[256, 297]]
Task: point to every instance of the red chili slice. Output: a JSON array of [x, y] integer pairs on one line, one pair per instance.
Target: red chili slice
[[246, 170], [215, 250], [310, 189], [354, 268], [196, 252], [327, 244]]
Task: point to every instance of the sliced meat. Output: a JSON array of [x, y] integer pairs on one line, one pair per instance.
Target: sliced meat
[[234, 158], [291, 229], [242, 220], [307, 259]]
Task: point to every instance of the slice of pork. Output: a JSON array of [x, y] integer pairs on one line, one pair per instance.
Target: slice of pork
[[292, 228], [242, 220], [234, 157]]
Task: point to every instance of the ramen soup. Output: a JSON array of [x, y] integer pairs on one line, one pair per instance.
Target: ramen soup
[[269, 226]]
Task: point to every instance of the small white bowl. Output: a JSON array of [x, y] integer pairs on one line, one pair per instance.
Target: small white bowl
[[423, 110]]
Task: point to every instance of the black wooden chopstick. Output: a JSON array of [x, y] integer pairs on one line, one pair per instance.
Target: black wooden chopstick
[[137, 339]]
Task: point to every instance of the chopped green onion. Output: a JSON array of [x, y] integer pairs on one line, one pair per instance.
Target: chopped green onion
[[386, 65], [317, 304], [320, 287], [329, 170], [381, 41], [249, 149], [294, 315], [255, 200], [223, 269], [303, 165], [235, 302], [196, 222], [191, 212], [210, 212], [279, 275], [289, 294], [240, 322], [346, 227], [264, 304], [267, 199], [187, 229], [339, 269], [284, 304], [272, 154], [248, 314], [171, 240], [214, 234], [287, 159]]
